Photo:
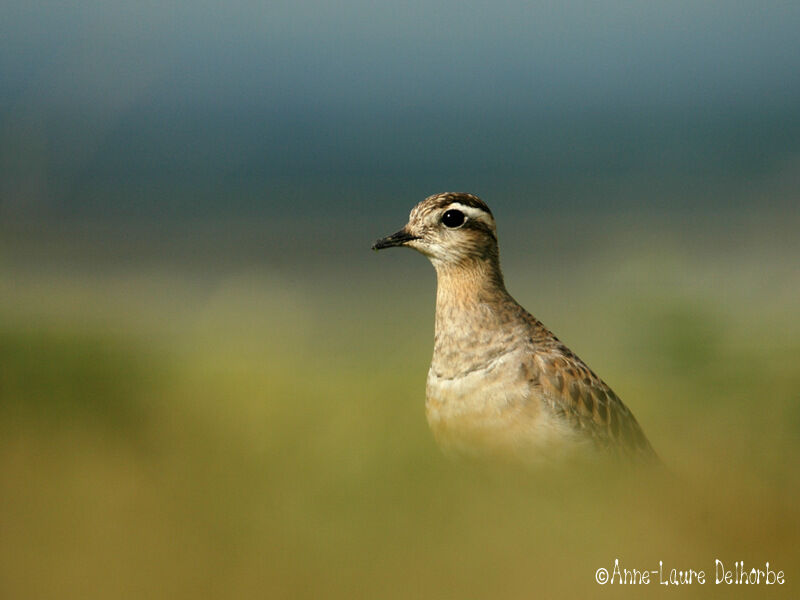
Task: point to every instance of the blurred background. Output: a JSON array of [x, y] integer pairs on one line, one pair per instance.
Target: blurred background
[[209, 387]]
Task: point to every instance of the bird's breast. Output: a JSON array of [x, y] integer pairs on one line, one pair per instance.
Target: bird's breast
[[494, 410]]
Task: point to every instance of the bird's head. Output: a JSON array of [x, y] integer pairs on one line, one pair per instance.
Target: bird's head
[[450, 229]]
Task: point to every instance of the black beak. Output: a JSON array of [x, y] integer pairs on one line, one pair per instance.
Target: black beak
[[396, 239]]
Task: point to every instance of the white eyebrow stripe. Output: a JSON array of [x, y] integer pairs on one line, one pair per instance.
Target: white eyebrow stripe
[[474, 213]]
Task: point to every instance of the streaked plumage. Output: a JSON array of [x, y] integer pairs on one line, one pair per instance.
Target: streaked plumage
[[500, 383]]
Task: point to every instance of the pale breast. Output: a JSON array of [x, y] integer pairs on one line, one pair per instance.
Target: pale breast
[[495, 411]]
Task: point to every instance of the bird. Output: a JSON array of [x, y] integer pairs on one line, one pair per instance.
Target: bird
[[500, 384]]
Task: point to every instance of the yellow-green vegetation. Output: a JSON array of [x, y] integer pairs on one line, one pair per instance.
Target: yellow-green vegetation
[[259, 432]]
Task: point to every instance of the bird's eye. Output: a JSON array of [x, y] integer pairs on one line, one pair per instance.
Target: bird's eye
[[453, 218]]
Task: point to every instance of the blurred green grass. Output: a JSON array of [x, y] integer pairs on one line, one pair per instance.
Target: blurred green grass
[[259, 431]]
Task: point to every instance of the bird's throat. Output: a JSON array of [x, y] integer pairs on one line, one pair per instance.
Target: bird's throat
[[474, 313]]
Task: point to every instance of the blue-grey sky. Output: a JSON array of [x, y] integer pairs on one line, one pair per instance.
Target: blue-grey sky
[[170, 103]]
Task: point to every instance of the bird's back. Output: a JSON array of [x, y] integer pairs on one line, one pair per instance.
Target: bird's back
[[577, 396]]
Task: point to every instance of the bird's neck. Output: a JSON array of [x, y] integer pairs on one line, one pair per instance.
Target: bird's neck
[[474, 313]]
